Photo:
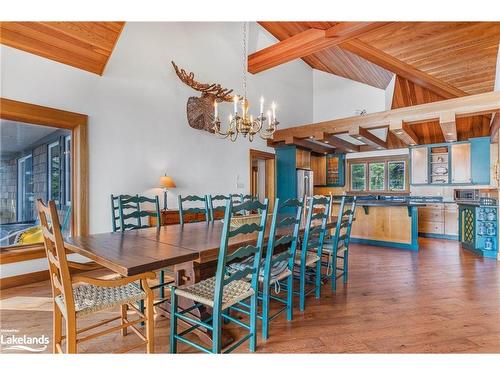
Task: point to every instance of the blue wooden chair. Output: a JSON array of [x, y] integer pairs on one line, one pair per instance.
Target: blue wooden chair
[[215, 207], [308, 259], [130, 216], [183, 210], [276, 267], [337, 247], [115, 210], [223, 291]]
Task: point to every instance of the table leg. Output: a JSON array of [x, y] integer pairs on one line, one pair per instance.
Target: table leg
[[187, 274]]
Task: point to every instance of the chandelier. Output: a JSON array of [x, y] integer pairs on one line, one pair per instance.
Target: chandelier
[[241, 122]]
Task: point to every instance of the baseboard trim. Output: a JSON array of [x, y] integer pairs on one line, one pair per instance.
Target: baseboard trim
[[24, 279], [438, 236]]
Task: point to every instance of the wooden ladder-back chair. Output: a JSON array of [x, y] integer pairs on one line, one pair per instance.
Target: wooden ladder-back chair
[[223, 290], [130, 218], [277, 266], [337, 247], [183, 211], [215, 207], [91, 295], [308, 260], [115, 210]]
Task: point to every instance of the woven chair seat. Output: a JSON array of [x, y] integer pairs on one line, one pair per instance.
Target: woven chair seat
[[279, 270], [91, 298], [329, 250], [311, 258], [204, 291]]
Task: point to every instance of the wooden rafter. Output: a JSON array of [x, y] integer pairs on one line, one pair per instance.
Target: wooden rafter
[[337, 142], [466, 106], [448, 126], [368, 138], [403, 132], [306, 143], [401, 68], [307, 43]]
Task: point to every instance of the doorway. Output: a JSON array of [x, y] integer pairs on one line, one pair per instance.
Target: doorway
[[262, 175]]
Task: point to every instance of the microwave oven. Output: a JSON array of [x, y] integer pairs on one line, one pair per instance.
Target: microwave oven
[[468, 195]]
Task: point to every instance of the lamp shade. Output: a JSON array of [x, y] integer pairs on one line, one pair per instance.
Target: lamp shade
[[167, 182]]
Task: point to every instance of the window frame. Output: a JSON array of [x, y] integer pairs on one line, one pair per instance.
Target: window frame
[[51, 146], [76, 122], [19, 207], [67, 170], [381, 159]]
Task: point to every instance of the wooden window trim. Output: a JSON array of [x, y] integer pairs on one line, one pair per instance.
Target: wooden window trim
[[76, 122], [386, 160]]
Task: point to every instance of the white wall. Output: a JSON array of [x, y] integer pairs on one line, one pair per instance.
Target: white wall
[[137, 109], [338, 97]]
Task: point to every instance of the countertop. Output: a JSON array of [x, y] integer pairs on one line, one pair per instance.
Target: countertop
[[385, 203]]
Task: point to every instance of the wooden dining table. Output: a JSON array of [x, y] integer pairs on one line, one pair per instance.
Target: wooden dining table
[[190, 250]]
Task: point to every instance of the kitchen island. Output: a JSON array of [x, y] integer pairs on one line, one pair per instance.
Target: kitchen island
[[385, 223]]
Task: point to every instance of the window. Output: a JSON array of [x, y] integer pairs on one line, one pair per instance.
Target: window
[[54, 168], [396, 175], [25, 204], [67, 170], [358, 177], [377, 176], [381, 175]]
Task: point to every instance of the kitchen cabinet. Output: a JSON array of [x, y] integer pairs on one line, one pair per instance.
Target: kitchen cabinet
[[420, 165], [460, 163], [318, 166], [303, 159], [438, 220]]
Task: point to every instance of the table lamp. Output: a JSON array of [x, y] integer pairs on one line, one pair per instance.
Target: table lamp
[[166, 182]]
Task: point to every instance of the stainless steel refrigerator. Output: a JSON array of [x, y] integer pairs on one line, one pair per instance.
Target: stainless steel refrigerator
[[305, 183]]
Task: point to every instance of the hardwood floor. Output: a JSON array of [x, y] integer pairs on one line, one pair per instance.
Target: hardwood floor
[[441, 300]]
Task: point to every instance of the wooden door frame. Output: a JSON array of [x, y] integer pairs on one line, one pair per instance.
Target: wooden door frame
[[257, 154], [76, 122]]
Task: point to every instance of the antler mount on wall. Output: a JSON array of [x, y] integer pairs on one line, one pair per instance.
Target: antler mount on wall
[[200, 110]]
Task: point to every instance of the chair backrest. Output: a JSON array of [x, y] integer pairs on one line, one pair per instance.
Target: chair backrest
[[115, 210], [216, 207], [131, 214], [252, 248], [318, 214], [183, 210], [60, 277], [284, 231], [344, 222]]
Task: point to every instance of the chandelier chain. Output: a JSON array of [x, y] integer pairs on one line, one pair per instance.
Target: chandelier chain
[[245, 60]]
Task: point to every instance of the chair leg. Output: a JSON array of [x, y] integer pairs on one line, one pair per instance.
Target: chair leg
[[71, 336], [173, 320], [318, 279], [253, 322], [334, 272], [265, 312], [302, 287], [150, 324], [289, 298], [162, 281], [216, 332], [346, 266], [124, 309], [57, 328]]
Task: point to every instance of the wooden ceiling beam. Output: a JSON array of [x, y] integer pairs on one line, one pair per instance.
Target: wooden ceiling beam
[[467, 106], [307, 144], [448, 126], [404, 132], [401, 68], [306, 43], [338, 143], [368, 138], [495, 125]]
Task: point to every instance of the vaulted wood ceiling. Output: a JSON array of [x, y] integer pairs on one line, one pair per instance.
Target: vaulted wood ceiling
[[433, 61], [84, 45], [458, 54]]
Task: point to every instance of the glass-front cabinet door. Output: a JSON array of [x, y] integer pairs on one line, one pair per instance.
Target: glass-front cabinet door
[[335, 170]]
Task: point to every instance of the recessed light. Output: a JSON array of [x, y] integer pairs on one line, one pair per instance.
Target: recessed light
[[311, 137], [449, 133], [327, 142], [380, 148]]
